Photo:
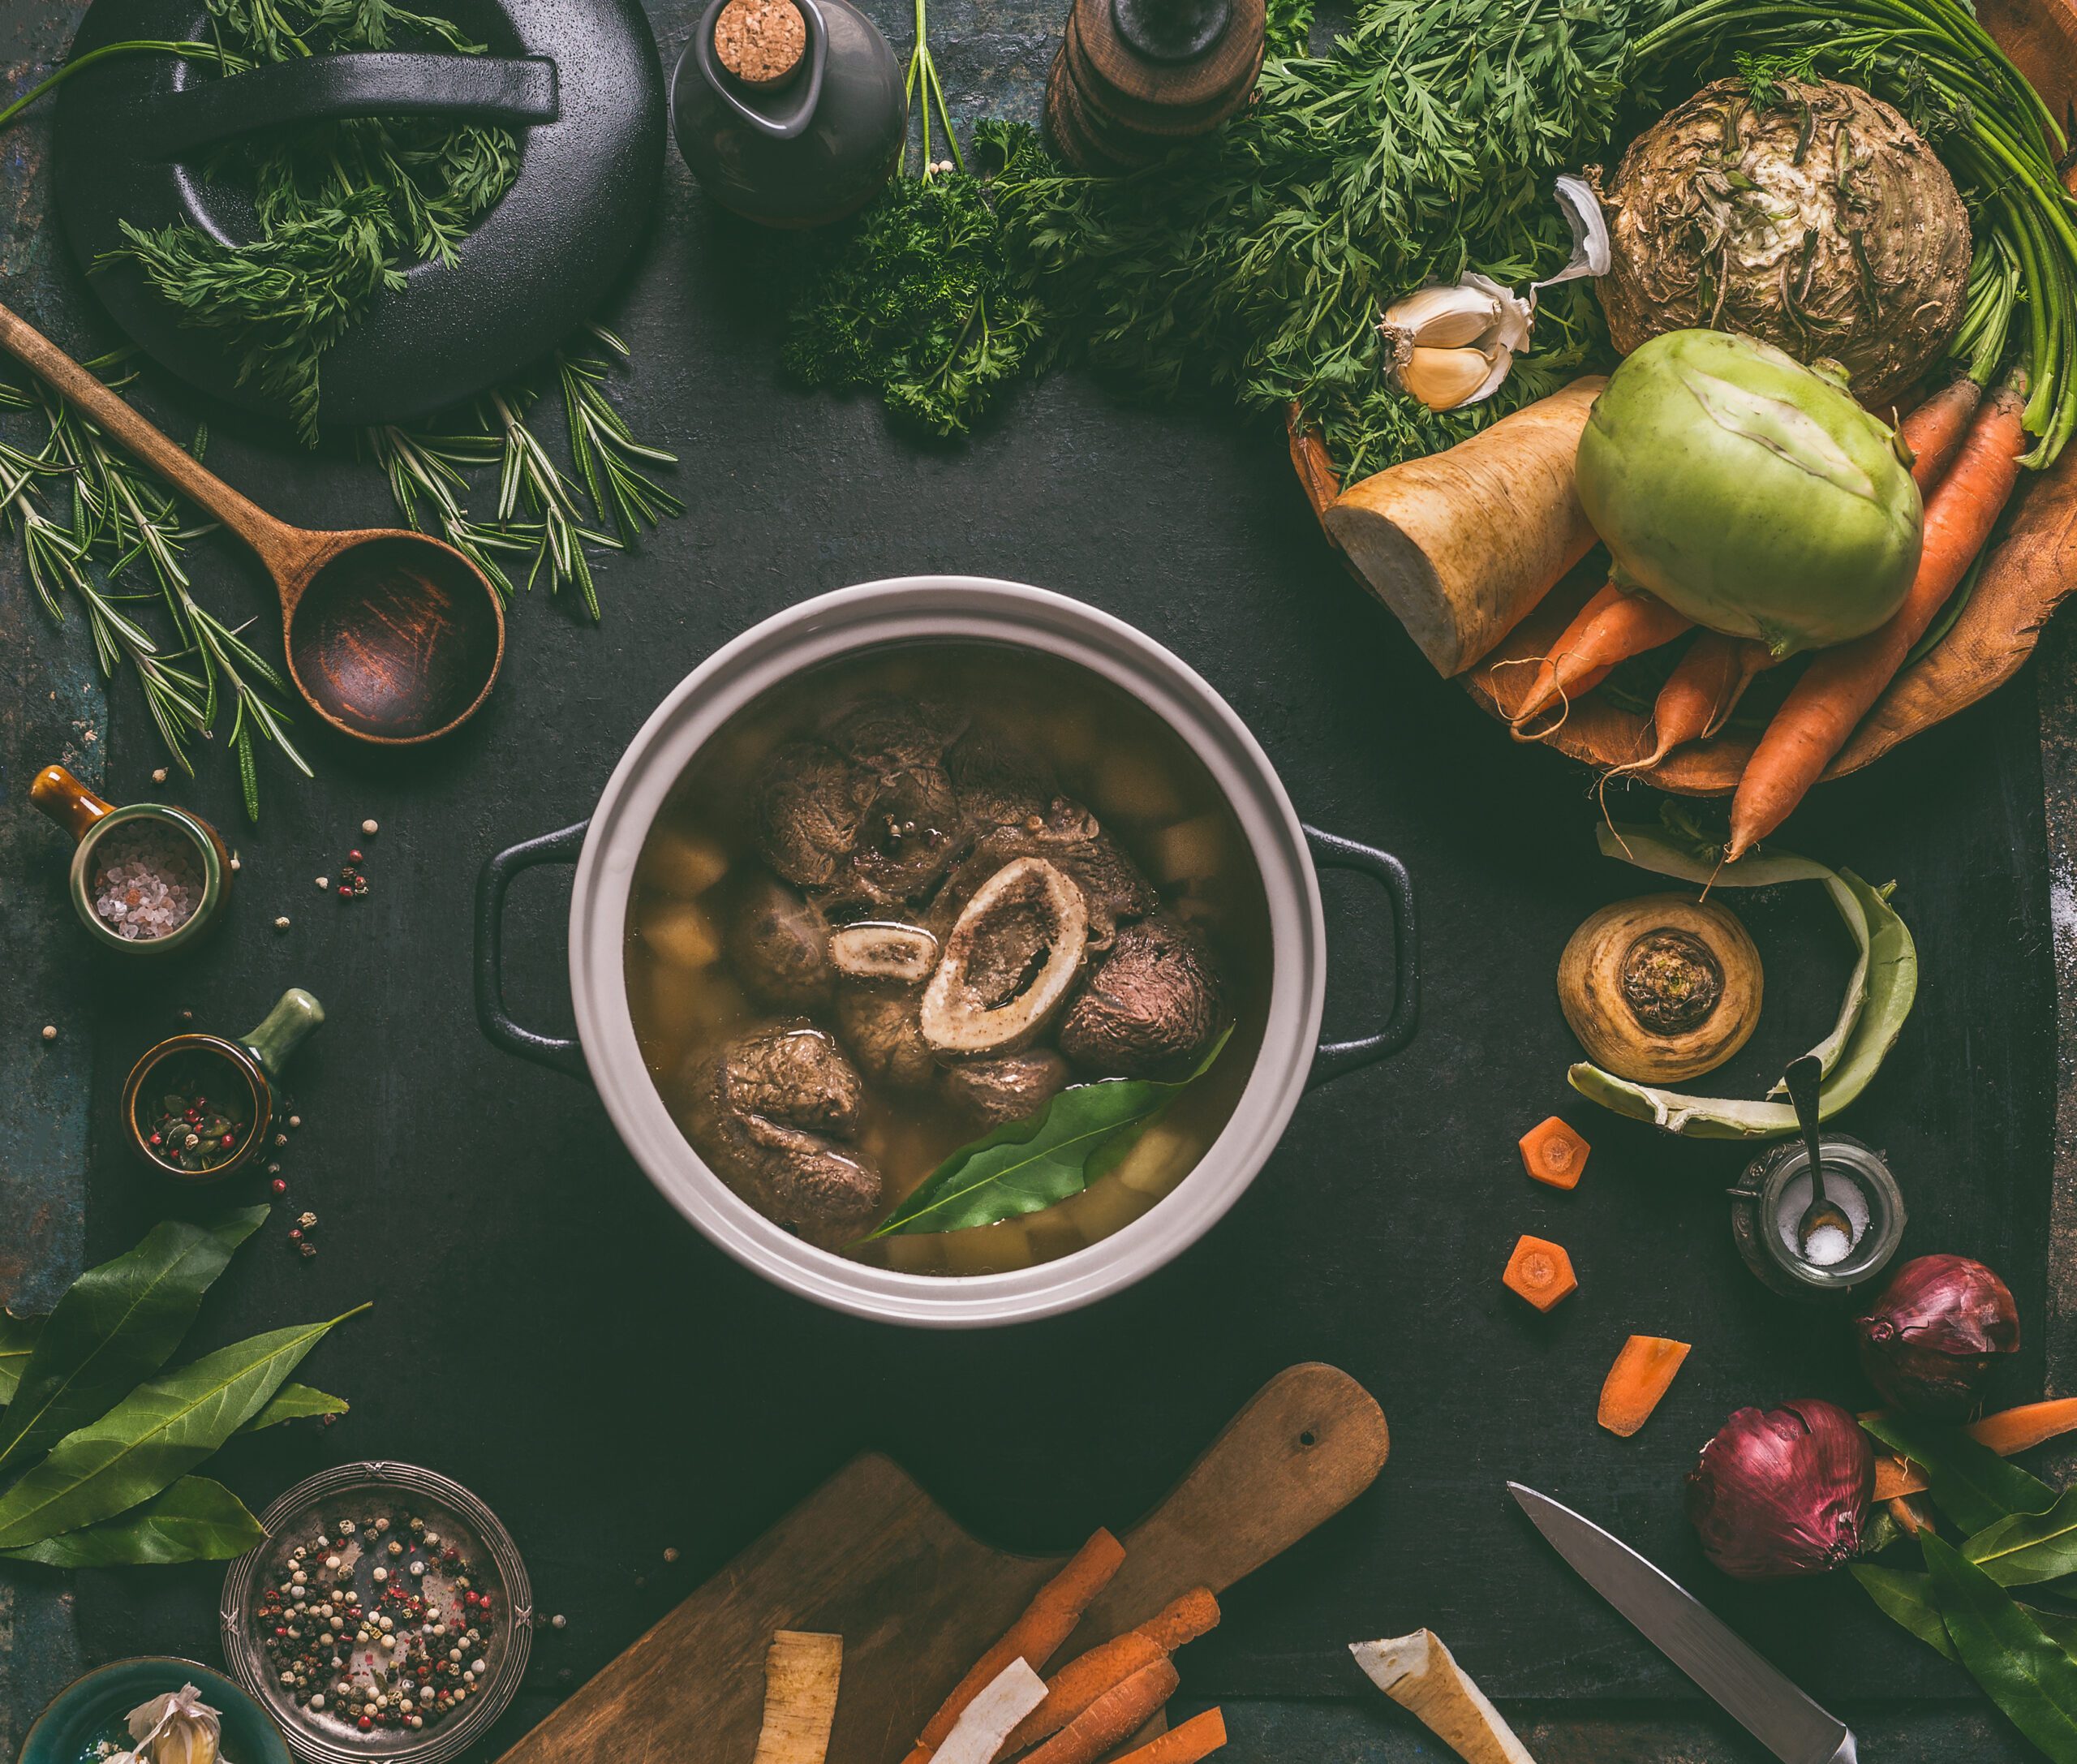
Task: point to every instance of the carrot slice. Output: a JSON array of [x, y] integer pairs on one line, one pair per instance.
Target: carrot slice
[[1196, 1740], [1554, 1153], [2010, 1430], [1034, 1637], [1540, 1272], [1642, 1374]]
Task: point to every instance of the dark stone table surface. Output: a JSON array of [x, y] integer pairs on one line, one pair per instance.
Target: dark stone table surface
[[547, 1329]]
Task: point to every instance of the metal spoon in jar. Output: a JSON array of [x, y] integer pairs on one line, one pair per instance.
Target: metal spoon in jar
[[392, 637], [1803, 1078]]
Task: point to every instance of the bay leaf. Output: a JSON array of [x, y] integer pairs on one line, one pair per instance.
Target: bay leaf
[[1969, 1482], [18, 1338], [1026, 1166], [2027, 1548], [1906, 1598], [2020, 1668], [116, 1324], [154, 1436], [294, 1402], [194, 1521]]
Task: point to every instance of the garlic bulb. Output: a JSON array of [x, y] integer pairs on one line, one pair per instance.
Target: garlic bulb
[[177, 1728], [1453, 346]]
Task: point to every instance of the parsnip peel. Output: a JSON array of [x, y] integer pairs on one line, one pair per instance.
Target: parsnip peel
[[801, 1673], [987, 1722], [1421, 1676]]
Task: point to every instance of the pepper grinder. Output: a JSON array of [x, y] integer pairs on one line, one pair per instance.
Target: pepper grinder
[[1135, 79]]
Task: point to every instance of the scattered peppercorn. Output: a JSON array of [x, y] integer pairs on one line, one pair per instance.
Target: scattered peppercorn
[[50, 1031], [369, 828], [282, 922]]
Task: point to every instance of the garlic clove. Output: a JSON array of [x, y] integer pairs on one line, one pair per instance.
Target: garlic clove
[[1592, 251], [1438, 317], [1449, 379], [1514, 317]]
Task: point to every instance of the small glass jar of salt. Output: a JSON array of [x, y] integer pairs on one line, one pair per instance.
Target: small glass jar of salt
[[1768, 1205]]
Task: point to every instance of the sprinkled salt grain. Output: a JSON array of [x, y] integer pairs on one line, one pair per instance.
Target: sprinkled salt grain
[[148, 883]]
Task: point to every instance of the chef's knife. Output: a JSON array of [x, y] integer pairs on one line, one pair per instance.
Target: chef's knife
[[1770, 1708]]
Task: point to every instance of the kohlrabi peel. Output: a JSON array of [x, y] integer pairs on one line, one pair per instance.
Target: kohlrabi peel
[[1749, 491], [1879, 997]]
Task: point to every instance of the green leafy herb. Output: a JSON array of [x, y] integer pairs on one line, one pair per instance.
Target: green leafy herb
[[116, 1324], [1968, 1481], [295, 1402], [153, 1437], [18, 1340], [1907, 1598], [540, 518], [2019, 1667], [2028, 1547], [1025, 1166], [916, 303], [194, 1521], [340, 206]]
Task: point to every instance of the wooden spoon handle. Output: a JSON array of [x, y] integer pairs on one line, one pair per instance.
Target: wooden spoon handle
[[1309, 1441], [273, 540]]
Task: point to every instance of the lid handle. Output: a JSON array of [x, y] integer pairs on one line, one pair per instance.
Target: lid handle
[[295, 1015], [368, 82]]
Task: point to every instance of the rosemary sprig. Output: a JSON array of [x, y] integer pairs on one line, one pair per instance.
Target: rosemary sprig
[[539, 513], [122, 517]]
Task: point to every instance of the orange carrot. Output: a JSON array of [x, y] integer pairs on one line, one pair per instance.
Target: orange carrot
[[1935, 430], [1611, 627], [1083, 1679], [1553, 1153], [1642, 1374], [2009, 1431], [1842, 685], [1196, 1739], [1702, 691], [1034, 1637], [1113, 1719], [1540, 1271]]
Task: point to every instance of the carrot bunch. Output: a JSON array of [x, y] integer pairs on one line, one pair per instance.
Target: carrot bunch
[[1966, 449], [1099, 1700]]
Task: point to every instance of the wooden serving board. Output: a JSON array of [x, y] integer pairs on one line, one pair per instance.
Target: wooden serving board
[[871, 1557]]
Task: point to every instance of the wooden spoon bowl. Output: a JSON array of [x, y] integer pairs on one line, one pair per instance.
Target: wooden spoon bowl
[[2029, 567], [392, 637]]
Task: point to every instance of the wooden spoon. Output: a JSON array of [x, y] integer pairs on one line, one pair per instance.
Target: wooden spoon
[[392, 637]]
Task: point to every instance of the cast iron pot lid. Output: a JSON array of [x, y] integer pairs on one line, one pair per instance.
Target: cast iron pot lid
[[577, 80]]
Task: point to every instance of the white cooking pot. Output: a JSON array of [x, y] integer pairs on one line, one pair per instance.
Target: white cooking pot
[[944, 608]]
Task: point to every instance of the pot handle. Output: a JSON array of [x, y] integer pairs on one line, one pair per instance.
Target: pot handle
[[561, 1052], [1333, 1058]]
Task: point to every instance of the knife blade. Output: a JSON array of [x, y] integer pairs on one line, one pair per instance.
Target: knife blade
[[1754, 1694]]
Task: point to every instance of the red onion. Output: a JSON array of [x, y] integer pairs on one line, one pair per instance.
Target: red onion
[[1782, 1493], [1933, 1333]]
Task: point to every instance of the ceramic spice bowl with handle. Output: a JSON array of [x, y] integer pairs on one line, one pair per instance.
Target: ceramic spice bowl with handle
[[1287, 854], [235, 1080], [180, 846]]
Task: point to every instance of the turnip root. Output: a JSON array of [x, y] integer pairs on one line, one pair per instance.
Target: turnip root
[[1419, 1674], [1462, 544]]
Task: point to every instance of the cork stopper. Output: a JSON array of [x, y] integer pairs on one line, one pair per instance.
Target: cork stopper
[[761, 41]]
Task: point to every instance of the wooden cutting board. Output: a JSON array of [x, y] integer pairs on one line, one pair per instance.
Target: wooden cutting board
[[869, 1556]]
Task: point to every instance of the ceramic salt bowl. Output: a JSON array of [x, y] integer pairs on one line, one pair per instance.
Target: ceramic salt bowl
[[91, 1708]]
